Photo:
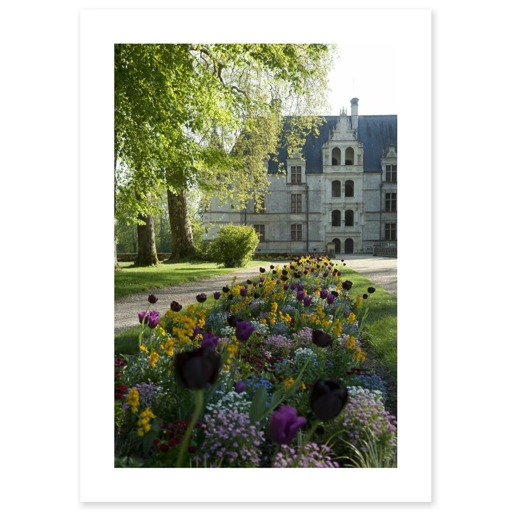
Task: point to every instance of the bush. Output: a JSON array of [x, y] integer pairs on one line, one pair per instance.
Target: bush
[[234, 245]]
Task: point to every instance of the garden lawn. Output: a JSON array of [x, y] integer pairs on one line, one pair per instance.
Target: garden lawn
[[129, 280]]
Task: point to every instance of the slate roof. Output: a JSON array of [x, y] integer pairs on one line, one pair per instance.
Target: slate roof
[[375, 132]]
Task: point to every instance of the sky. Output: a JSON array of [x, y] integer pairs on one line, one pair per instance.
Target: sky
[[365, 72]]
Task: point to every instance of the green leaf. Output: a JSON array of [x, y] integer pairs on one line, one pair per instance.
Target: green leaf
[[257, 410]]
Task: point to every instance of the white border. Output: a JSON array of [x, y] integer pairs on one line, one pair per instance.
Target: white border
[[410, 32]]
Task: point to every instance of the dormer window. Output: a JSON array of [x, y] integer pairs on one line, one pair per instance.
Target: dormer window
[[336, 156], [349, 156], [296, 175], [391, 173]]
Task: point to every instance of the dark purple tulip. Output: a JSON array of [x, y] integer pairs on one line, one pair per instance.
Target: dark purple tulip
[[327, 399], [286, 286], [232, 320], [262, 270], [243, 292], [152, 299], [365, 295], [256, 295], [324, 293], [371, 289], [230, 296], [321, 338], [347, 285], [335, 293], [152, 319], [300, 295], [249, 281], [330, 298], [240, 386], [284, 272], [272, 266], [216, 295], [210, 340], [201, 297], [284, 424], [141, 315], [225, 289], [196, 369], [244, 330], [325, 274], [307, 301], [176, 306]]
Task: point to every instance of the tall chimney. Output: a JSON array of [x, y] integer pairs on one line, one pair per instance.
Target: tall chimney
[[353, 113]]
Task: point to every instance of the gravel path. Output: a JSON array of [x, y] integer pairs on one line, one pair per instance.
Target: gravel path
[[379, 270]]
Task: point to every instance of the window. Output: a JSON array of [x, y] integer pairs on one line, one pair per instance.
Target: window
[[349, 156], [296, 232], [336, 156], [336, 189], [296, 174], [391, 173], [349, 218], [349, 188], [296, 203], [336, 218], [390, 231], [260, 230], [391, 202]]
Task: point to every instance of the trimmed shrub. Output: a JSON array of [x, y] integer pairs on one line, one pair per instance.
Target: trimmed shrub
[[234, 245]]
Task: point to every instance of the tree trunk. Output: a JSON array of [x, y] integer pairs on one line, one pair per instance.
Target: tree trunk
[[181, 229], [146, 254]]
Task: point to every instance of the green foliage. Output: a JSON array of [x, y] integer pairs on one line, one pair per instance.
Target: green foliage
[[181, 110], [234, 246]]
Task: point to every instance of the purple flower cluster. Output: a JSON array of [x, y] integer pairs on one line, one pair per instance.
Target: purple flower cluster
[[151, 318], [230, 441], [278, 345], [313, 456], [365, 418], [147, 393], [303, 337]]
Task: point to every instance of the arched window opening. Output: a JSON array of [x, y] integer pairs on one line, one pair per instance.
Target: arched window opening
[[336, 188], [349, 218], [336, 218], [336, 156], [349, 188], [349, 156], [337, 245]]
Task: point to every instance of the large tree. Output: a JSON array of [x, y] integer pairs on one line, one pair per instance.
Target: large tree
[[208, 116]]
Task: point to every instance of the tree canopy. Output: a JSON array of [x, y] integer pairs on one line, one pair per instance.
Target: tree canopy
[[210, 114]]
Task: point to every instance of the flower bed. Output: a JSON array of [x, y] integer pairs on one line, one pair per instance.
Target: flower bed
[[272, 375]]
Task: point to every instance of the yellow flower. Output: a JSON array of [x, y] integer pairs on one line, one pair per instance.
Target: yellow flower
[[133, 400], [358, 301], [359, 355], [144, 419], [153, 358], [143, 348], [351, 318], [351, 343], [287, 383]]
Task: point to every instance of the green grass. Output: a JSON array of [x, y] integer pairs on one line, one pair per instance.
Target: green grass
[[129, 280]]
